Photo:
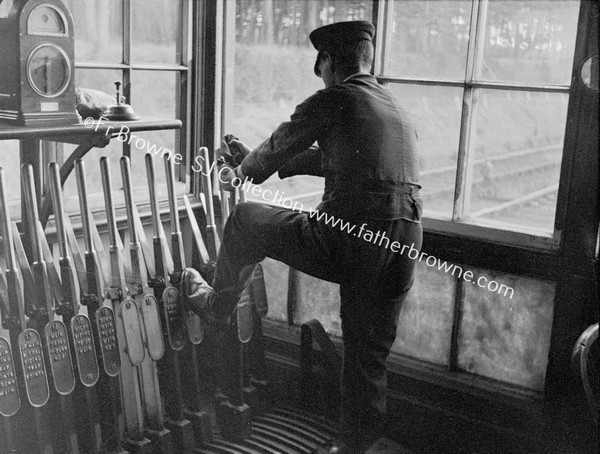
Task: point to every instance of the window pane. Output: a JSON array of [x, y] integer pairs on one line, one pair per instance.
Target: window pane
[[436, 112], [5, 8], [530, 41], [158, 143], [155, 31], [98, 29], [10, 162], [154, 93], [425, 322], [506, 338], [429, 39], [99, 79], [266, 91], [321, 300], [518, 152], [103, 80], [276, 277], [91, 160]]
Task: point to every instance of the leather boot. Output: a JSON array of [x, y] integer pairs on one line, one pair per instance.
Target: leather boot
[[197, 295]]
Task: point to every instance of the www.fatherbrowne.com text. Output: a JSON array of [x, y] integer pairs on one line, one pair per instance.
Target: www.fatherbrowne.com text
[[378, 238]]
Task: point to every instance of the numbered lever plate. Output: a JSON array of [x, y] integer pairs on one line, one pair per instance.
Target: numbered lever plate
[[34, 368], [133, 331], [174, 316], [151, 317], [85, 351], [109, 345], [9, 391], [60, 357]]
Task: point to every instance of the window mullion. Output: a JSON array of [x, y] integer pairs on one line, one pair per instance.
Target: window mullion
[[385, 24], [127, 30], [228, 66], [466, 148], [220, 93], [182, 87]]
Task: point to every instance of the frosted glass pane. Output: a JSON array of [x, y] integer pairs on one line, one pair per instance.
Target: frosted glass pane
[[276, 277], [507, 338], [321, 300], [425, 322]]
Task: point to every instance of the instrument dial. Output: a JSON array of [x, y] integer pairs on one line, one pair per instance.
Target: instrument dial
[[48, 70], [46, 20]]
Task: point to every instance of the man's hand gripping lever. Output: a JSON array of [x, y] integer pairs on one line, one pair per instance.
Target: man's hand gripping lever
[[229, 157]]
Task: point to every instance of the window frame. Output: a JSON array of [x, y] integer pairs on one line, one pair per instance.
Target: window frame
[[186, 41], [476, 228], [564, 258]]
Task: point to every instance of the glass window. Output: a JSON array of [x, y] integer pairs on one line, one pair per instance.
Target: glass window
[[11, 165], [156, 35], [518, 151], [429, 39], [98, 29], [529, 41], [98, 79], [491, 113], [275, 274], [5, 7], [436, 112], [487, 84], [273, 71], [156, 24], [91, 162], [154, 93], [507, 338], [425, 322], [318, 299]]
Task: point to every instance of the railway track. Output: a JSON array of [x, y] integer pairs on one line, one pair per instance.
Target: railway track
[[496, 170]]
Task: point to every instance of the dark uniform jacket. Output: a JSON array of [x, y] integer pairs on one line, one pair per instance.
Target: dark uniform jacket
[[367, 151]]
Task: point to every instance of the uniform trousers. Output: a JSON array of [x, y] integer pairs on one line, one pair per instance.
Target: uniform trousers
[[373, 279]]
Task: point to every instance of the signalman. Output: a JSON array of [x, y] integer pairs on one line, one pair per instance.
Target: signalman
[[366, 150]]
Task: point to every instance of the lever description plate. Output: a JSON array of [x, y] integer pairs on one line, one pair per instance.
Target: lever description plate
[[9, 391]]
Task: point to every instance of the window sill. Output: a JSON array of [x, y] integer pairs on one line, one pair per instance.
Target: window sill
[[490, 232]]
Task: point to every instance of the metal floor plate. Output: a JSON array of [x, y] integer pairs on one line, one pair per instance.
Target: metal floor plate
[[286, 430], [279, 431]]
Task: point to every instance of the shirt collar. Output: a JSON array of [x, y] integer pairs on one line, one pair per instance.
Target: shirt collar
[[352, 76]]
